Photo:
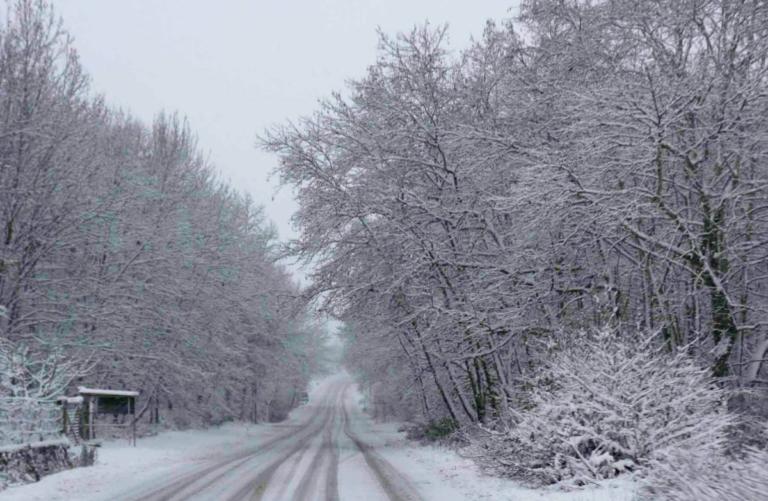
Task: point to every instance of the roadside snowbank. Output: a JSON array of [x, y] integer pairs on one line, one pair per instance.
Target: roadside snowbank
[[119, 465], [442, 474], [439, 473]]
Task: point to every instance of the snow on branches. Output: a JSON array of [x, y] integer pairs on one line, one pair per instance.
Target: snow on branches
[[118, 242], [605, 165], [604, 404], [29, 384], [41, 377], [695, 475], [610, 165]]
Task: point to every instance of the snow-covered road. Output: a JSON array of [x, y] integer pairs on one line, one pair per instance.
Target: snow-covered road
[[327, 450], [303, 462]]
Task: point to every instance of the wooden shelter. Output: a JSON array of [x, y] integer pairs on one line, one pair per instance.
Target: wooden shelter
[[92, 402]]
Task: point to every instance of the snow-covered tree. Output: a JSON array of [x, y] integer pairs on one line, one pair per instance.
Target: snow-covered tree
[[606, 165], [29, 386], [119, 244]]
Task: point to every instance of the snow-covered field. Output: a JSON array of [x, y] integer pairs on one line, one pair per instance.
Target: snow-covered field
[[430, 472]]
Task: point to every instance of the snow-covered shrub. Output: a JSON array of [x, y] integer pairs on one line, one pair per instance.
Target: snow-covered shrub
[[604, 404], [25, 420], [693, 475], [433, 431], [29, 385]]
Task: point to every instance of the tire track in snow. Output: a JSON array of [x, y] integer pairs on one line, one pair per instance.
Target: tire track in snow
[[310, 475], [203, 478], [256, 488], [331, 421], [195, 482], [294, 466], [328, 450], [332, 475], [395, 485]]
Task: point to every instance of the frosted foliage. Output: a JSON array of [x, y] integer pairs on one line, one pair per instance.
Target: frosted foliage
[[24, 421], [25, 375], [119, 244], [588, 161], [603, 406], [694, 476], [28, 386]]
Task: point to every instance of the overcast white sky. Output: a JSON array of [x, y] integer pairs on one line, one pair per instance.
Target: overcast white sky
[[235, 67]]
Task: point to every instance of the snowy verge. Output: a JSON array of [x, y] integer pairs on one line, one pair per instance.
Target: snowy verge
[[440, 473], [120, 465]]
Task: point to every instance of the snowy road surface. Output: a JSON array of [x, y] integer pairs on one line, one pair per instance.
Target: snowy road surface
[[327, 450], [303, 462]]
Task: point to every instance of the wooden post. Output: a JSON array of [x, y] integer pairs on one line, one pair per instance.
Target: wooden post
[[64, 423], [91, 411], [83, 419], [133, 419]]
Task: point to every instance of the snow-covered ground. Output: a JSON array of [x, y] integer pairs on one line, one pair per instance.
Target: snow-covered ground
[[441, 474], [120, 465], [428, 472]]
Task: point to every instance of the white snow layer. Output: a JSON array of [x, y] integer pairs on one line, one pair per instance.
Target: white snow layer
[[440, 474], [437, 473]]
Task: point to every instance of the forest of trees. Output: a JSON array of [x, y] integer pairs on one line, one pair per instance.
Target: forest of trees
[[585, 184], [554, 242], [124, 261]]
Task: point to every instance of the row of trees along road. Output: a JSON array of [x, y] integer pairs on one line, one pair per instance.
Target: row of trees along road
[[597, 164], [122, 250]]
